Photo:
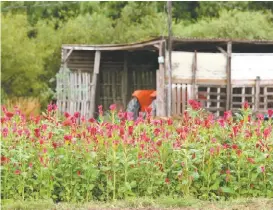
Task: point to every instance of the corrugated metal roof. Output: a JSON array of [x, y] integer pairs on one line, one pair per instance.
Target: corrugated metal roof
[[155, 40]]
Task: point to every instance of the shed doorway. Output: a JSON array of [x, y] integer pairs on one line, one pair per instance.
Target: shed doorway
[[123, 72]]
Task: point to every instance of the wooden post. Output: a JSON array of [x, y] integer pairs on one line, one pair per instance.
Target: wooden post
[[125, 80], [194, 69], [169, 6], [229, 89], [160, 84], [94, 82], [257, 94]]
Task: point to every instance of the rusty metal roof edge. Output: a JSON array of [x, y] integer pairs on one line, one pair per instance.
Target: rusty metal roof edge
[[154, 40]]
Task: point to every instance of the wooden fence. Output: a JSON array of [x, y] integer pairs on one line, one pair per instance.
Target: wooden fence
[[214, 97], [73, 92]]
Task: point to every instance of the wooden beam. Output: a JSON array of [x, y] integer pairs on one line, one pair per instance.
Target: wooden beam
[[125, 79], [257, 95], [228, 73], [160, 86], [194, 69], [222, 50], [94, 82], [113, 47], [67, 56]]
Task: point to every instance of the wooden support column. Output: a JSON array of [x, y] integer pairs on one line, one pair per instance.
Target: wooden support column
[[94, 82], [257, 95], [125, 80], [160, 84], [228, 73], [194, 69]]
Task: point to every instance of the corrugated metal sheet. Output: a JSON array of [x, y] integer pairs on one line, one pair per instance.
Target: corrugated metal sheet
[[152, 41]]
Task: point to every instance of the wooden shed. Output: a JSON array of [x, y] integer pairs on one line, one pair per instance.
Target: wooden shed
[[223, 72]]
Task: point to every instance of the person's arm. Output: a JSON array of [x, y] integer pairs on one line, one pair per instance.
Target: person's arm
[[134, 107]]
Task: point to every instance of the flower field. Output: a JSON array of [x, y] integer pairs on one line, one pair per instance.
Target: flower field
[[51, 157]]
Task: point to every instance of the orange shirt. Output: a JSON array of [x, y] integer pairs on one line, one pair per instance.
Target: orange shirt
[[144, 98]]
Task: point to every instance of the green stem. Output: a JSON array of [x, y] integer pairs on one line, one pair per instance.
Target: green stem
[[114, 178]]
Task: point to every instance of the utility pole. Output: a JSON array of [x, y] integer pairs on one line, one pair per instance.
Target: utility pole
[[169, 6]]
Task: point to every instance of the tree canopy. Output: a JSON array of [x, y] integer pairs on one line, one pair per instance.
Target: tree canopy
[[33, 32]]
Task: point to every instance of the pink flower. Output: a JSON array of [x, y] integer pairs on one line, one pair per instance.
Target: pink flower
[[246, 105], [227, 116], [113, 107], [234, 146], [17, 172], [251, 160], [76, 115], [5, 132], [262, 169], [267, 132], [9, 114], [37, 132], [260, 116], [67, 138], [100, 110], [235, 130], [91, 120], [270, 113], [67, 115], [68, 122], [195, 104], [212, 150]]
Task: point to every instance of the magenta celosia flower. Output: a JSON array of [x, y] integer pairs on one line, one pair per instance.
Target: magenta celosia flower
[[67, 138], [235, 130], [270, 113], [67, 115], [113, 107], [68, 122], [267, 132], [100, 110], [17, 172], [251, 160], [194, 104], [44, 127], [76, 115], [5, 132], [37, 132], [9, 114], [245, 105], [262, 169]]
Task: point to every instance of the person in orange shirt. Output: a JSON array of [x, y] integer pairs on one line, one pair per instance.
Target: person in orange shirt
[[141, 102]]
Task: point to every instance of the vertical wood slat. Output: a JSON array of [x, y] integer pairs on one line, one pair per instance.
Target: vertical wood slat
[[161, 83], [228, 73], [194, 69], [218, 101], [208, 97], [178, 101], [125, 80], [94, 81], [113, 88], [189, 92], [257, 95], [253, 97], [243, 95], [174, 98], [184, 102], [265, 98]]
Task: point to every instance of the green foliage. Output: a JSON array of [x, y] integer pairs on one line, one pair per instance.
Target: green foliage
[[231, 24], [33, 32]]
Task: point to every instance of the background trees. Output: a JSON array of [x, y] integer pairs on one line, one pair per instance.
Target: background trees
[[32, 32]]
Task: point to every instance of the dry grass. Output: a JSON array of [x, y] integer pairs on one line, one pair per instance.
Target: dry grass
[[151, 204], [28, 106]]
